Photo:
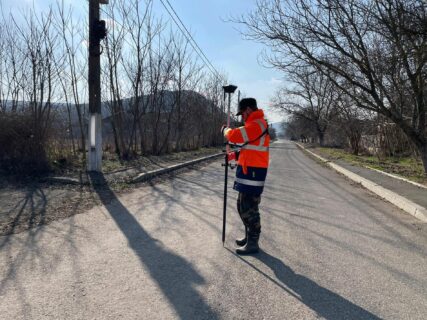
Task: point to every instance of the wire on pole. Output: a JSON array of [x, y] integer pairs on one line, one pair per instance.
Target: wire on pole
[[192, 42]]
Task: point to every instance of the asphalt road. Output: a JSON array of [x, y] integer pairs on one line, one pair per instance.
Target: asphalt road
[[330, 250]]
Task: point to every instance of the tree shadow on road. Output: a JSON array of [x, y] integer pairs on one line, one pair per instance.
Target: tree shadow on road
[[324, 302], [29, 211], [174, 275]]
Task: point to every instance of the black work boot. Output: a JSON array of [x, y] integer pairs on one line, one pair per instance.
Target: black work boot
[[242, 242], [250, 247]]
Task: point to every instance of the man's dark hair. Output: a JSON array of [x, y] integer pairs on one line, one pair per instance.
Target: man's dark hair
[[247, 103]]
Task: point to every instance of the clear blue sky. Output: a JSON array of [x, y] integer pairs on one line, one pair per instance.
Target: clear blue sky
[[219, 40]]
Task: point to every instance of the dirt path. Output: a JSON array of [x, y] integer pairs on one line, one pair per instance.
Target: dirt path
[[24, 205]]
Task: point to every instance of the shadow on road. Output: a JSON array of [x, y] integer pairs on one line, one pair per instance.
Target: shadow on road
[[173, 274], [324, 302], [28, 212]]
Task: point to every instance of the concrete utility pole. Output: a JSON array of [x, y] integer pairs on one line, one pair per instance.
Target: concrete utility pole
[[97, 32]]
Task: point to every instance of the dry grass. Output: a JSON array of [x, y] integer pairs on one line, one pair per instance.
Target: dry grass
[[407, 167]]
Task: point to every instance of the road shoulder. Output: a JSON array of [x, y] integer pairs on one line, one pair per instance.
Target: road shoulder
[[406, 196]]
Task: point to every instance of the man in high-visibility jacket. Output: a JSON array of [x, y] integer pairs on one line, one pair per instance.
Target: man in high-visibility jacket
[[252, 164]]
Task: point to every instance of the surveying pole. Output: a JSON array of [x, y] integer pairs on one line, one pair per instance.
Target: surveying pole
[[238, 100], [227, 89], [97, 32]]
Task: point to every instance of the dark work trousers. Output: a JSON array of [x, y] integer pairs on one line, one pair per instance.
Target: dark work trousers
[[247, 206]]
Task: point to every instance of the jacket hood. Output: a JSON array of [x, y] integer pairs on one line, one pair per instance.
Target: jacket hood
[[257, 114]]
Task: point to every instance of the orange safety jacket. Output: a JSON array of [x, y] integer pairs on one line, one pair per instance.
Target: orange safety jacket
[[254, 157]]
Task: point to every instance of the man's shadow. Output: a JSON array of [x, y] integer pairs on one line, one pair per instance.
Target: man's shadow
[[174, 275], [324, 302]]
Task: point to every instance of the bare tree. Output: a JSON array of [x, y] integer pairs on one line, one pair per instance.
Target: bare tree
[[14, 64], [139, 20], [374, 51], [38, 45], [161, 59], [353, 121], [155, 87], [299, 128], [114, 44], [29, 86], [313, 97], [71, 69], [3, 84], [212, 88], [186, 78]]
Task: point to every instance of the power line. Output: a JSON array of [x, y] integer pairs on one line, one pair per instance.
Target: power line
[[188, 34], [185, 33]]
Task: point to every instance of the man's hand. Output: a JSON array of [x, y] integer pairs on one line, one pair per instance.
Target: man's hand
[[231, 156]]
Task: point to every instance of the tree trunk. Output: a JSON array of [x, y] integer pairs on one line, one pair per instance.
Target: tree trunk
[[423, 153], [116, 141], [354, 142], [321, 136], [354, 138]]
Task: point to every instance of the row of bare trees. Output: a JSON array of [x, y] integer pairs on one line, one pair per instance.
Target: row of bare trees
[[318, 110], [349, 60], [27, 73], [157, 95]]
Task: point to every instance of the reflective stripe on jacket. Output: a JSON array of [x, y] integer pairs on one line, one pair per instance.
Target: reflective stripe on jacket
[[253, 159], [252, 182]]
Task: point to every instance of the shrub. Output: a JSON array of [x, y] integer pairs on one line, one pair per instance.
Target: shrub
[[22, 149]]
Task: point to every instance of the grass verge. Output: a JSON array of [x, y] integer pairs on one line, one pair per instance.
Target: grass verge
[[407, 167]]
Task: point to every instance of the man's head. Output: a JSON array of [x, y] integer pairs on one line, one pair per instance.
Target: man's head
[[246, 106]]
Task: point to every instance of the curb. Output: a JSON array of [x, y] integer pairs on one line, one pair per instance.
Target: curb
[[153, 173], [406, 205]]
